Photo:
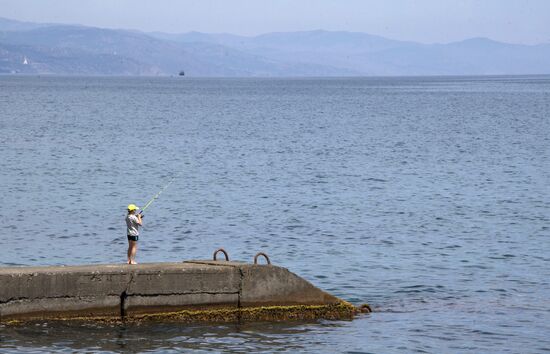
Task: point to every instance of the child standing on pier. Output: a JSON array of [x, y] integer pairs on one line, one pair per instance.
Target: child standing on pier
[[133, 222]]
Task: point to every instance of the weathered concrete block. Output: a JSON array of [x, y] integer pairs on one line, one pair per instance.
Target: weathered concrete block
[[137, 304], [194, 290], [113, 290], [267, 285], [184, 279], [52, 282], [89, 307]]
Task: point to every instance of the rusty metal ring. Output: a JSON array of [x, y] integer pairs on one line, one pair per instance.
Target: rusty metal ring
[[261, 254], [223, 251], [365, 308]]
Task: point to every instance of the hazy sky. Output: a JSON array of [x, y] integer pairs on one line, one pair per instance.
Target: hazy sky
[[517, 21]]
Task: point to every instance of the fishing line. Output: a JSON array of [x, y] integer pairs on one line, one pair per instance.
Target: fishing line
[[159, 193]]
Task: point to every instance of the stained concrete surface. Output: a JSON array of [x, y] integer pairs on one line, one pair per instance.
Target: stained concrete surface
[[120, 291]]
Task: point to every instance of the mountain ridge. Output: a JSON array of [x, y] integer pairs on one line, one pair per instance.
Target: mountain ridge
[[76, 49]]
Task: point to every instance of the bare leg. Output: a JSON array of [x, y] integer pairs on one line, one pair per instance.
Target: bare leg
[[133, 251], [129, 252]]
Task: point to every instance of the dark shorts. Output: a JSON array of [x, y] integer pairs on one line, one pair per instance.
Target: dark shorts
[[133, 238]]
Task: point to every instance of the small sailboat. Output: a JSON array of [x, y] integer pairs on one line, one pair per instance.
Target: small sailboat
[[25, 61]]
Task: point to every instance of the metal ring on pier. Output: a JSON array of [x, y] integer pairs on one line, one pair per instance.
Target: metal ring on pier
[[261, 254], [223, 251]]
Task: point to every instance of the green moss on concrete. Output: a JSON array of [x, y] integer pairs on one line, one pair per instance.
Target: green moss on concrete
[[339, 311], [302, 312]]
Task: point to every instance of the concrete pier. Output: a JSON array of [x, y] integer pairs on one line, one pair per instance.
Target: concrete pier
[[187, 291]]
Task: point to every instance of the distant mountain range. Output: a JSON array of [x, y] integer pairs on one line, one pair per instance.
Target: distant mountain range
[[33, 48]]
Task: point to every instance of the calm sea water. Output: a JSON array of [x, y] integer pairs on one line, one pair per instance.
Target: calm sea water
[[428, 198]]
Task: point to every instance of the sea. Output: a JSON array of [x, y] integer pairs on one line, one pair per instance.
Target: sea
[[426, 197]]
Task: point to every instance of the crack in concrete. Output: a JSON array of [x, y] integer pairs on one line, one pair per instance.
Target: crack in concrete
[[186, 293], [132, 274], [92, 297], [240, 293], [124, 296]]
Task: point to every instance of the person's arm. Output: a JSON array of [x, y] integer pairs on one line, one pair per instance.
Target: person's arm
[[140, 223]]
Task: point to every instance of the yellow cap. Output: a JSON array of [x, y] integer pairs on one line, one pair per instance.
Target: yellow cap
[[132, 207]]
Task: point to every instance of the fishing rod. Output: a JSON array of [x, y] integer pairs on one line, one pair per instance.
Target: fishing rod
[[159, 193]]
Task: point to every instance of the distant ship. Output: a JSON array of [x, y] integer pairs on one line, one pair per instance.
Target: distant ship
[[25, 61], [182, 73]]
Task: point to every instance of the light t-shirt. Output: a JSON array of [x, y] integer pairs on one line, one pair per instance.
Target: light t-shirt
[[132, 225]]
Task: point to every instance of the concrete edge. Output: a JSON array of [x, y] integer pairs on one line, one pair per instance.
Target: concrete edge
[[261, 292]]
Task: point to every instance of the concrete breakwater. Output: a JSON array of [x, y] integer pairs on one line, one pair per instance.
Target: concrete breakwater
[[187, 291]]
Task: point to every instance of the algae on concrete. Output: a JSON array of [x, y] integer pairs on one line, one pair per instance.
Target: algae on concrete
[[218, 291]]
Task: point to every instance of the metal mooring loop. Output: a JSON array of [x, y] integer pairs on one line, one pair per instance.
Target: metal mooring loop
[[365, 308], [261, 254], [223, 251]]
